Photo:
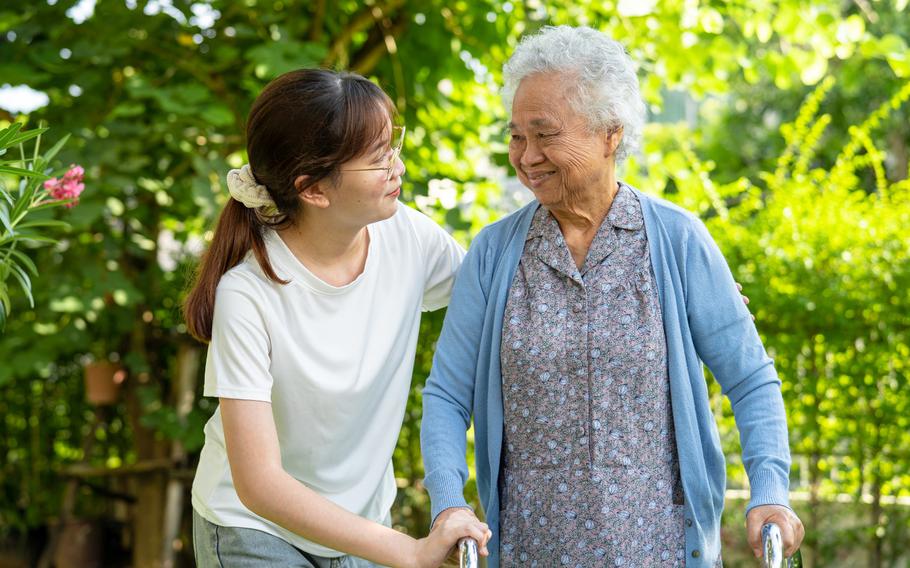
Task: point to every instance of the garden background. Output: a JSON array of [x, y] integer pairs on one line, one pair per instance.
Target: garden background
[[783, 124]]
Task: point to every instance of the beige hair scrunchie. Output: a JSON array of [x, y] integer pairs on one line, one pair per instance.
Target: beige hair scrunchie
[[244, 188]]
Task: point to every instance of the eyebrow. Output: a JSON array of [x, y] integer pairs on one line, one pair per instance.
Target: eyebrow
[[537, 122]]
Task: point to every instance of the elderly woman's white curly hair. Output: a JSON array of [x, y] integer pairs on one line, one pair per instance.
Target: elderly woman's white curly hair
[[601, 81]]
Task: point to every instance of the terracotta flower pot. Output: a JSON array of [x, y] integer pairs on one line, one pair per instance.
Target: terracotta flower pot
[[102, 382]]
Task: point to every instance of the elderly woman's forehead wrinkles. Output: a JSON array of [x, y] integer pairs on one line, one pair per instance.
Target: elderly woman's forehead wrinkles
[[548, 122], [543, 122]]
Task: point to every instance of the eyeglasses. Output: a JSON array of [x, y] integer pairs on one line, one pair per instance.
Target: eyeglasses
[[398, 138]]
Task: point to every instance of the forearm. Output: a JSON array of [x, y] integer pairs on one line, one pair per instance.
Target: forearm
[[762, 425], [280, 498], [443, 444]]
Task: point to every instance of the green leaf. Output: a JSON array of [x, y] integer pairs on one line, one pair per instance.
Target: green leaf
[[24, 260], [45, 206], [7, 195], [7, 134], [27, 236], [53, 223], [49, 155], [25, 136], [25, 283], [4, 218], [22, 172]]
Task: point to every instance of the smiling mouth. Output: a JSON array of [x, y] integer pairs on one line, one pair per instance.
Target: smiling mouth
[[538, 177]]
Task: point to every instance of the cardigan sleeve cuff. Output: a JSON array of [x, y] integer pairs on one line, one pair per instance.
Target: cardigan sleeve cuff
[[446, 490], [768, 488]]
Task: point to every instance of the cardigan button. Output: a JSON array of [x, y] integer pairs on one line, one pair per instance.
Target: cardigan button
[[696, 554], [688, 522]]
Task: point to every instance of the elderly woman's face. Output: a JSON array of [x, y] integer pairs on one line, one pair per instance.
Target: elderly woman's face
[[552, 151]]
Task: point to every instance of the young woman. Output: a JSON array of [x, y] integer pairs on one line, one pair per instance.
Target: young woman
[[310, 298]]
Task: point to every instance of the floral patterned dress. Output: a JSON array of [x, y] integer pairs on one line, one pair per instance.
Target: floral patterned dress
[[590, 469]]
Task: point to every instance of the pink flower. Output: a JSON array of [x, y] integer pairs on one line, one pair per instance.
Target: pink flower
[[75, 172], [69, 187]]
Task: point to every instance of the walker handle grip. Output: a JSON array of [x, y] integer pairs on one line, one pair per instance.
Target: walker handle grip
[[467, 553], [773, 549]]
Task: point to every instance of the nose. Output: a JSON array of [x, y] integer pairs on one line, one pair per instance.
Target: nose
[[531, 154], [398, 168]]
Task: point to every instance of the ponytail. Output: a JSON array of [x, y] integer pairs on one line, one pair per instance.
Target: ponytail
[[238, 231]]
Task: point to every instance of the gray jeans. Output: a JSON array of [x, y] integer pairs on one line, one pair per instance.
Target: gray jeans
[[233, 547]]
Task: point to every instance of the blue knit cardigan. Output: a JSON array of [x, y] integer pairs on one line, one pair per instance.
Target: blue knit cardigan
[[704, 320]]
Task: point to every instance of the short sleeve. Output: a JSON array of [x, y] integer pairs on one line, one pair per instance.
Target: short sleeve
[[238, 359], [442, 256]]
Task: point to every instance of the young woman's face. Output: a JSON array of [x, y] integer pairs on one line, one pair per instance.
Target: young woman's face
[[370, 184]]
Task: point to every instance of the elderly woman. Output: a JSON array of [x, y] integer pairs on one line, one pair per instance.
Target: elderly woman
[[575, 338]]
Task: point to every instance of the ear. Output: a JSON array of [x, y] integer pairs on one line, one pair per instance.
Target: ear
[[313, 194], [611, 141]]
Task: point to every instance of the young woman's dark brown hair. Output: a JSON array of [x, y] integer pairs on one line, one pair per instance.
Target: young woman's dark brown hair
[[304, 124], [312, 337]]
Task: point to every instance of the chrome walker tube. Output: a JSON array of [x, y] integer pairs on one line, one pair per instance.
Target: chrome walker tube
[[467, 553], [773, 549]]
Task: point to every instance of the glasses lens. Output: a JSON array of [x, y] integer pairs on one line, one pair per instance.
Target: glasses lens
[[398, 142]]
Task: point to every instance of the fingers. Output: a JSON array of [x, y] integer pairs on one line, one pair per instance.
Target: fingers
[[483, 538], [483, 544], [791, 531], [798, 531], [461, 522], [477, 531], [753, 537], [788, 535], [739, 286]]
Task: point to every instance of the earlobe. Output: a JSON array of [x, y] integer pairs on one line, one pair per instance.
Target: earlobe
[[310, 193], [614, 137]]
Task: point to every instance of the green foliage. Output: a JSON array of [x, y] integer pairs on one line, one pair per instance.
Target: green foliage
[[823, 255], [812, 214], [20, 208], [829, 263]]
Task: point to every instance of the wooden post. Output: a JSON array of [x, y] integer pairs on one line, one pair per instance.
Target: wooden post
[[184, 395], [148, 511]]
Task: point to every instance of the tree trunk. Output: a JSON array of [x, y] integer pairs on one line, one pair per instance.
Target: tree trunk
[[148, 519], [184, 395], [148, 511]]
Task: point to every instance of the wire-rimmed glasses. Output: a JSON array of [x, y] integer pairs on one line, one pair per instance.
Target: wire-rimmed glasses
[[398, 143]]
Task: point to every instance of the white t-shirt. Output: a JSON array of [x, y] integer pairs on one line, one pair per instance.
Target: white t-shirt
[[335, 362]]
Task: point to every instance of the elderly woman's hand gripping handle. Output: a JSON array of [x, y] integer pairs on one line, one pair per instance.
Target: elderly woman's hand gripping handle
[[450, 522], [791, 528]]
